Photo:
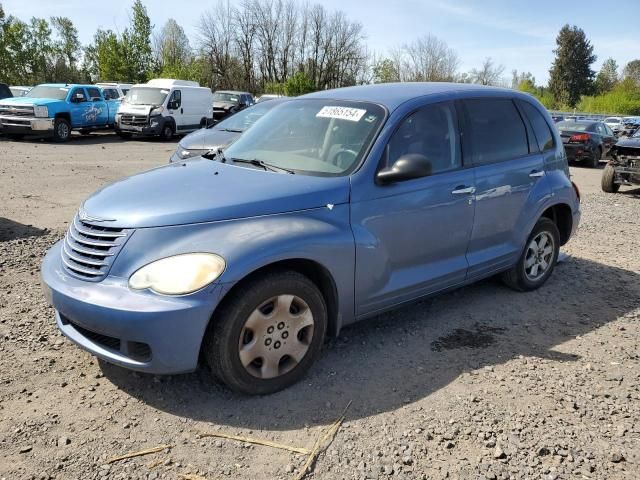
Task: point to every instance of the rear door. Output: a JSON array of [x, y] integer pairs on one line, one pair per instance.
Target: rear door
[[507, 169]]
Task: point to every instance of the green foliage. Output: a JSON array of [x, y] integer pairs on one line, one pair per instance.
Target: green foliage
[[607, 76], [385, 71], [298, 84], [623, 99], [274, 88], [571, 75], [542, 94]]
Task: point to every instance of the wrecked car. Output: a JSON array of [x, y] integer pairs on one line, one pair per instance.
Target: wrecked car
[[624, 166]]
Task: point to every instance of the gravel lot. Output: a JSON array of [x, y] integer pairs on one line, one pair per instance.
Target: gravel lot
[[479, 383]]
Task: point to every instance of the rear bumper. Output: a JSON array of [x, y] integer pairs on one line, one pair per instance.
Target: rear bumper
[[578, 152], [138, 330]]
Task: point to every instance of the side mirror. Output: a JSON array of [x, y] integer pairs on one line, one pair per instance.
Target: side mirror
[[407, 167], [173, 105], [78, 97]]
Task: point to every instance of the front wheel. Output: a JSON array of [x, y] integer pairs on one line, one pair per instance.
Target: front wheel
[[267, 334], [167, 132], [61, 130], [538, 259]]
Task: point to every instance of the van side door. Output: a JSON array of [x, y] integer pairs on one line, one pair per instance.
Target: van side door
[[510, 181], [412, 236]]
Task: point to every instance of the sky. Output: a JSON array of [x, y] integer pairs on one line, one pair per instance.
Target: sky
[[516, 34]]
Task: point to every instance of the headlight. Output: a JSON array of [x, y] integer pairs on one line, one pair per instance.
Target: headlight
[[156, 111], [180, 274], [185, 153], [41, 111]]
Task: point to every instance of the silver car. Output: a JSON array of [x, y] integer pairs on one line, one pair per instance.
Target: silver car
[[222, 133]]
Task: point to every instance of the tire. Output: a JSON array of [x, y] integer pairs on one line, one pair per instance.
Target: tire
[[61, 130], [167, 132], [251, 314], [595, 160], [519, 278], [124, 135], [608, 182]]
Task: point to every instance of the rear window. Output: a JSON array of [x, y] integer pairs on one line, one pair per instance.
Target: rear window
[[496, 131], [612, 120], [541, 129]]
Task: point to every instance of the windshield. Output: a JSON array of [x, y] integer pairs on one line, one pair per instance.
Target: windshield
[[226, 97], [43, 91], [146, 96], [242, 120], [316, 137], [575, 126]]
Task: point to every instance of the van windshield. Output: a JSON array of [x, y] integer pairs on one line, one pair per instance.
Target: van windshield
[[44, 91], [309, 136], [146, 96]]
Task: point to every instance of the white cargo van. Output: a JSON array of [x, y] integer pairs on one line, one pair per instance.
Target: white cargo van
[[164, 107]]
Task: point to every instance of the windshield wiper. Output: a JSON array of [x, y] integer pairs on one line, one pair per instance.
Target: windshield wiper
[[232, 130], [266, 166]]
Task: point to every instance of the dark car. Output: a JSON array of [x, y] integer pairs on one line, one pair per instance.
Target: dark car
[[221, 134], [5, 92], [557, 118], [586, 141], [227, 102], [624, 167]]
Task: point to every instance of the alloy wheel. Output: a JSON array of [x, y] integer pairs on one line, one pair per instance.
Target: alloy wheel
[[539, 256]]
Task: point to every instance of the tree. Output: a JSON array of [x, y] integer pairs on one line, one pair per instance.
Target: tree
[[518, 78], [385, 71], [66, 50], [632, 71], [428, 59], [488, 74], [571, 75], [607, 77], [136, 45], [172, 50], [298, 84]]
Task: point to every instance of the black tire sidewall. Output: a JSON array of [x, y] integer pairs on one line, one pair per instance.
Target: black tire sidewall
[[221, 342], [544, 224], [167, 131], [608, 183], [56, 124]]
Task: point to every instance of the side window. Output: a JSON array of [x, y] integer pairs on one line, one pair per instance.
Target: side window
[[125, 91], [494, 130], [432, 131], [110, 94], [540, 126], [176, 98], [78, 95], [94, 94], [607, 130]]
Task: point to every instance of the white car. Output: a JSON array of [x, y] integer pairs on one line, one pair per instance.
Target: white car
[[615, 123], [164, 107], [18, 91], [120, 88]]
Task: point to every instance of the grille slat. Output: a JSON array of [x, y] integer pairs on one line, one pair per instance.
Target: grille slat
[[16, 111], [138, 120], [89, 250]]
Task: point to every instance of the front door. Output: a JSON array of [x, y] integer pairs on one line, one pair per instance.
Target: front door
[[176, 110], [79, 104], [412, 236]]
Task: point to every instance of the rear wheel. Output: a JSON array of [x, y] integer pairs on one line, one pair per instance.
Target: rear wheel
[[608, 182], [61, 130], [267, 334], [538, 259]]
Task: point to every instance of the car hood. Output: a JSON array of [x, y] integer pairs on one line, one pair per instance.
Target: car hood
[[18, 101], [204, 191], [633, 142], [135, 109], [208, 138]]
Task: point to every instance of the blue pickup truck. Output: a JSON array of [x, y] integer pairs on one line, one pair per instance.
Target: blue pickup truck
[[57, 109]]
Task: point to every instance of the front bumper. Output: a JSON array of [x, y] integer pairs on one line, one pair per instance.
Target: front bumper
[[152, 127], [26, 125], [138, 330]]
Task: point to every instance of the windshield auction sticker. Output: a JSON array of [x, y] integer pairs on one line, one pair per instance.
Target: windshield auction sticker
[[343, 113]]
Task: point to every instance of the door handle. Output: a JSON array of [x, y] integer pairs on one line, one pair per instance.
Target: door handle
[[536, 174], [462, 190], [181, 111]]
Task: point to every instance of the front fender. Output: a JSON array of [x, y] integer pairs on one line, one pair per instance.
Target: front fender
[[321, 235]]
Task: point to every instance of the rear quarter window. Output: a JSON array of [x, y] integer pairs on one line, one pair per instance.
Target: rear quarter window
[[541, 129], [494, 129]]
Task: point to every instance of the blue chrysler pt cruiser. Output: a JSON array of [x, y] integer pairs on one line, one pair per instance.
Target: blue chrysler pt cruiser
[[332, 208]]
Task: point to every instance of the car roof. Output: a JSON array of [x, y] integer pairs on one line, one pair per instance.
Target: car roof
[[235, 92], [580, 122], [392, 95], [65, 85]]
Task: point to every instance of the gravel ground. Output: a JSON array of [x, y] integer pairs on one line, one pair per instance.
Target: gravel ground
[[480, 383]]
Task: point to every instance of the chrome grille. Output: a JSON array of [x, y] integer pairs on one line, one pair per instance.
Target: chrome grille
[[88, 250], [16, 111], [138, 120]]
